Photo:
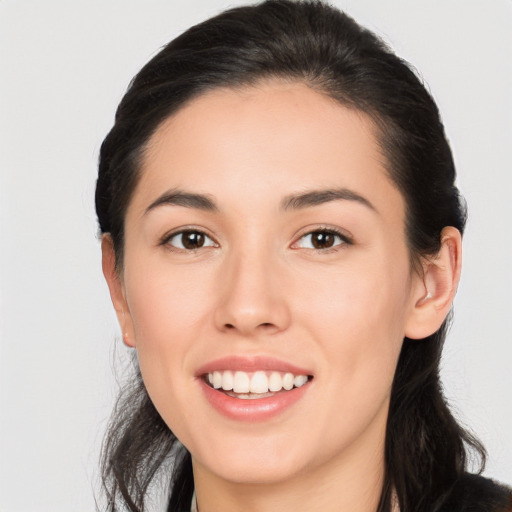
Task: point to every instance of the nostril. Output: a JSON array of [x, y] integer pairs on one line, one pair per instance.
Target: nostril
[[264, 325]]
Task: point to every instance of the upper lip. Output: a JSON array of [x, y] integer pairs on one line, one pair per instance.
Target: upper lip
[[251, 364]]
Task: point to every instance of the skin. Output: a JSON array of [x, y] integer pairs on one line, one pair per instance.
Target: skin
[[258, 287]]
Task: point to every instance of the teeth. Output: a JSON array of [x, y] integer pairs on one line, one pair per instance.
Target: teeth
[[275, 382], [288, 381], [241, 382], [299, 381], [217, 379], [227, 381], [259, 382]]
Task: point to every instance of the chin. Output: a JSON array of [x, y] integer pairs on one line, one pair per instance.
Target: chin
[[254, 473], [255, 461]]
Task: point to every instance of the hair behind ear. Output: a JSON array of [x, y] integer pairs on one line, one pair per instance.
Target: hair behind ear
[[425, 445]]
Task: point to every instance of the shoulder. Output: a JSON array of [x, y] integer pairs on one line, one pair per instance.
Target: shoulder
[[475, 493]]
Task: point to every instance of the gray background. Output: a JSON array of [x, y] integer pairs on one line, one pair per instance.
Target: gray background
[[63, 69]]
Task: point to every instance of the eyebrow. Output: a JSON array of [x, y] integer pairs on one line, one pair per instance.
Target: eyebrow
[[187, 199], [317, 197], [204, 202]]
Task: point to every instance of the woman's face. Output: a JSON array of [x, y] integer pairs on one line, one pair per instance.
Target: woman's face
[[265, 238]]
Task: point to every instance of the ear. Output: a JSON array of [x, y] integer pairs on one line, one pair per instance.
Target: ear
[[117, 293], [435, 289]]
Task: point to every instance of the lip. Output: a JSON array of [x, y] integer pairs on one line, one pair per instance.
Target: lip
[[251, 364], [251, 410]]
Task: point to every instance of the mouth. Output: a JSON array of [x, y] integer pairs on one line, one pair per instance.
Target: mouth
[[254, 385], [254, 389]]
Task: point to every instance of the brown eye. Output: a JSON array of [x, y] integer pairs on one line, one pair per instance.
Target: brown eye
[[321, 240], [190, 240]]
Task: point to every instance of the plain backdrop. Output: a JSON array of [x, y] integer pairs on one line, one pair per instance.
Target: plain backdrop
[[63, 68]]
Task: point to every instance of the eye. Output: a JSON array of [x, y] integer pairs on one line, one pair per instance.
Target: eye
[[189, 240], [322, 239]]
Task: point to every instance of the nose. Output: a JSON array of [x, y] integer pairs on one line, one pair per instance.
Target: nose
[[252, 299]]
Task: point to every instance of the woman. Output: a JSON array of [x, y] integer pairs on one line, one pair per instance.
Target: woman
[[282, 243]]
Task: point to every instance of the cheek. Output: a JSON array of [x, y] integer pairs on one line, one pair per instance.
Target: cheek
[[169, 311], [166, 303], [359, 318], [358, 324], [357, 299]]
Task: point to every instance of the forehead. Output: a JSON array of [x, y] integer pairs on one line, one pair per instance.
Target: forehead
[[233, 143]]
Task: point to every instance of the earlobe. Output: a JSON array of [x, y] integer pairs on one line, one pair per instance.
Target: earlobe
[[115, 285], [435, 290]]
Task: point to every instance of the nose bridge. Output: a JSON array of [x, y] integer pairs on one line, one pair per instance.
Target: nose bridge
[[251, 299]]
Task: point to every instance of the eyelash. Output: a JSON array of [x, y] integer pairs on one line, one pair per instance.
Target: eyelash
[[167, 239], [342, 237]]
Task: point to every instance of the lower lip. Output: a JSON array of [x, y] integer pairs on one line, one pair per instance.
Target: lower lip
[[257, 409]]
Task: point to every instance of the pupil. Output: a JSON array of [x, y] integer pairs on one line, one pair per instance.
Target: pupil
[[322, 240], [192, 240]]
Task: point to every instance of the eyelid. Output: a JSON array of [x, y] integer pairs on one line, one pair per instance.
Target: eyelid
[[346, 237], [165, 239]]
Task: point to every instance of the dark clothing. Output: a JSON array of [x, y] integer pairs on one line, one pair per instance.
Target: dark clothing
[[473, 493]]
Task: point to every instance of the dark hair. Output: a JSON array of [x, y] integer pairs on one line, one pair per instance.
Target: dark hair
[[315, 44]]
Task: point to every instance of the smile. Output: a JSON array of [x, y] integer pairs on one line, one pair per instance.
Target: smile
[[254, 385], [253, 388]]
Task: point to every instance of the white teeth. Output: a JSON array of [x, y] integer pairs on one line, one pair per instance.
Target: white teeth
[[241, 382], [300, 380], [275, 382], [288, 381], [259, 382], [217, 379], [227, 381]]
